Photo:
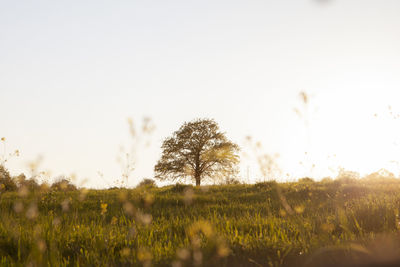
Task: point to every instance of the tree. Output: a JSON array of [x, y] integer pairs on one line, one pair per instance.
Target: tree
[[197, 150]]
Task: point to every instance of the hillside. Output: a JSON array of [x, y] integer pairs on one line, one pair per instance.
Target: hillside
[[267, 224]]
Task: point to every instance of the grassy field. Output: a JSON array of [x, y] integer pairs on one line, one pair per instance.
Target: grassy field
[[267, 224]]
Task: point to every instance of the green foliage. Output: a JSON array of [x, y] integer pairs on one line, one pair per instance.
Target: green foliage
[[231, 180], [267, 224], [306, 180], [147, 183], [197, 150], [269, 184], [180, 188], [6, 181], [27, 184], [63, 184]]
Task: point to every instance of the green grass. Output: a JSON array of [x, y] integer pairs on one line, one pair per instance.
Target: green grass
[[266, 224]]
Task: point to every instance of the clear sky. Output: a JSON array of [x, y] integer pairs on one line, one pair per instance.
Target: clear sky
[[72, 72]]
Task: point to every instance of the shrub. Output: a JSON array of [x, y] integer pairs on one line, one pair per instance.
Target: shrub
[[306, 180], [6, 182], [267, 185], [327, 180], [231, 180], [146, 182], [180, 188], [63, 184], [347, 177], [114, 188], [29, 184], [345, 180]]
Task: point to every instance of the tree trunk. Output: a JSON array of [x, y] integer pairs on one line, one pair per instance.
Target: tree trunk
[[197, 172], [197, 177]]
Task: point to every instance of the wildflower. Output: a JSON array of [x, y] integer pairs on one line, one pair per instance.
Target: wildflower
[[103, 208]]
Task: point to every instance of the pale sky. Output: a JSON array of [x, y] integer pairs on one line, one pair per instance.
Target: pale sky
[[72, 72]]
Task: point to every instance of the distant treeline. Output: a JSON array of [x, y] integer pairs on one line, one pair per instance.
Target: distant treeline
[[22, 184]]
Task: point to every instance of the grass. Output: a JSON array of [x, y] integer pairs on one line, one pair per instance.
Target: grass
[[266, 224]]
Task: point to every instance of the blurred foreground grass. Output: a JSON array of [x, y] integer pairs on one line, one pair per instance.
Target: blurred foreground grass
[[266, 224]]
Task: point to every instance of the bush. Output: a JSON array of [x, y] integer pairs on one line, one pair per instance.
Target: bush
[[180, 188], [63, 184], [327, 180], [147, 183], [29, 184], [345, 180], [6, 182], [230, 181], [306, 180], [347, 177], [266, 185]]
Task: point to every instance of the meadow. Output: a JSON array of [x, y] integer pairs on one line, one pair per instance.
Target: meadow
[[302, 223]]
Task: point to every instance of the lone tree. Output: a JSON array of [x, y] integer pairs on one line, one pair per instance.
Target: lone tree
[[197, 150]]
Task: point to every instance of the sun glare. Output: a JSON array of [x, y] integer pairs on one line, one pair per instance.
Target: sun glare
[[360, 134]]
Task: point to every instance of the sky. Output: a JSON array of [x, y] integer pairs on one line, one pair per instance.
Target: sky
[[73, 72]]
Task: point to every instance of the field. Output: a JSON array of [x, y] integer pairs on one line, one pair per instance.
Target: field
[[302, 223]]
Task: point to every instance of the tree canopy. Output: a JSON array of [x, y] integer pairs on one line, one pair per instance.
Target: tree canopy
[[197, 150]]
